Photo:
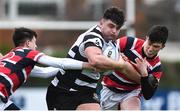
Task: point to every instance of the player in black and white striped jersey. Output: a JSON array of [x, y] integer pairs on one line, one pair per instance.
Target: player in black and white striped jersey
[[76, 88]]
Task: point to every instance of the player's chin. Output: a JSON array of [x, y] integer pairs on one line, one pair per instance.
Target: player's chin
[[150, 55], [110, 38]]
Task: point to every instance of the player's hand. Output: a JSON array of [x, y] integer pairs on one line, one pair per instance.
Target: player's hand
[[141, 65]]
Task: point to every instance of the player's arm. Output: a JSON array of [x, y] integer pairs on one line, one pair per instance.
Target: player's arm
[[63, 63], [129, 71], [45, 72], [149, 83], [92, 49], [98, 60]]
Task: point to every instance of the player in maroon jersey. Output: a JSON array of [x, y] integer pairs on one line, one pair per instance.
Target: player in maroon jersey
[[124, 90], [16, 65]]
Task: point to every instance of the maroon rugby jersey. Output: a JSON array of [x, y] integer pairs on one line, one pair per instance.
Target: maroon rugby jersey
[[15, 68], [132, 48]]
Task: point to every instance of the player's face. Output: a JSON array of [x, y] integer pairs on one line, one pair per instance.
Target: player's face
[[32, 44], [109, 29], [151, 49]]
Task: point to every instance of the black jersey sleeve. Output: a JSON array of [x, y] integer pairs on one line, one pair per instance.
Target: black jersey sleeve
[[92, 40], [149, 86]]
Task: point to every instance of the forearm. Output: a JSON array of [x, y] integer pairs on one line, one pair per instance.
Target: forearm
[[149, 85], [130, 72], [45, 72], [64, 63], [105, 63]]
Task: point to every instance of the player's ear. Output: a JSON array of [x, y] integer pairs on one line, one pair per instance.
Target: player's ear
[[163, 46], [102, 21], [27, 44]]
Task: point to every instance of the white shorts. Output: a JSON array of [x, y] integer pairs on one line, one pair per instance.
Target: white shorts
[[110, 100], [4, 105]]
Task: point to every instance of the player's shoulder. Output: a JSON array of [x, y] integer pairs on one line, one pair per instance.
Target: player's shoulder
[[94, 32], [94, 35]]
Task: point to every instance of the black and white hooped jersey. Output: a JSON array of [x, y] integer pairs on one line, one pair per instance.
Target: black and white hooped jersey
[[81, 80]]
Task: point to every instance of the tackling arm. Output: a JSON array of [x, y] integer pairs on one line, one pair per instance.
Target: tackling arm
[[63, 63], [45, 72], [130, 72], [100, 61]]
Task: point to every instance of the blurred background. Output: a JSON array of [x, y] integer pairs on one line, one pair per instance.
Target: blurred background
[[59, 22]]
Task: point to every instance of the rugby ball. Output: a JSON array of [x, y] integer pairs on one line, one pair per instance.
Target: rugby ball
[[111, 51]]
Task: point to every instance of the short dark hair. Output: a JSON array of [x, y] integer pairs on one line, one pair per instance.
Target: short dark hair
[[115, 14], [22, 34], [158, 34]]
